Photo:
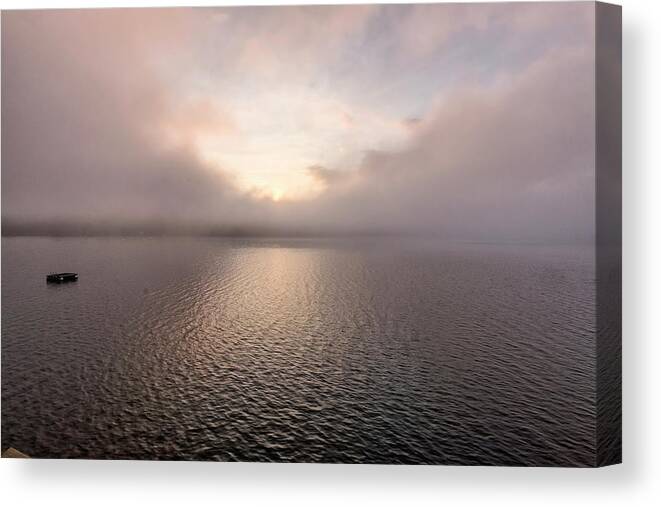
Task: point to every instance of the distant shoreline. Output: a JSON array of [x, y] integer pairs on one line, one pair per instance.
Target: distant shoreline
[[86, 230], [246, 231]]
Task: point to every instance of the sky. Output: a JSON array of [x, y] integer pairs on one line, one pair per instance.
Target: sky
[[465, 121]]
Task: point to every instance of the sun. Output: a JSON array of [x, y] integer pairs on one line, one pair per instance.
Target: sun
[[277, 194], [269, 192]]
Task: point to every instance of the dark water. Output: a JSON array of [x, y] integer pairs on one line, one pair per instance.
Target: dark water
[[367, 351]]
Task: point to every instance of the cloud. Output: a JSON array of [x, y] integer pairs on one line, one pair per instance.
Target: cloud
[[422, 31], [138, 116], [513, 160], [81, 99], [295, 37], [327, 177]]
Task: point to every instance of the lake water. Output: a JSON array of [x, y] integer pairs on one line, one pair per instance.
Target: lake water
[[370, 351]]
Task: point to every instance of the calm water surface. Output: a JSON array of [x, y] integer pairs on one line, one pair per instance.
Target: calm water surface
[[372, 351]]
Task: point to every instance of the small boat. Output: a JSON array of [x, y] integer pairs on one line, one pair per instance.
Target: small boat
[[61, 277]]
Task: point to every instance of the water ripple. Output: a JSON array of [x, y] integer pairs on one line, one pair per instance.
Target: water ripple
[[299, 351]]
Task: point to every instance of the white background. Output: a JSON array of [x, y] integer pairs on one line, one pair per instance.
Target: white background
[[636, 482]]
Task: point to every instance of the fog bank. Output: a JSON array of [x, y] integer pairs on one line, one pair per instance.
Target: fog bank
[[460, 122]]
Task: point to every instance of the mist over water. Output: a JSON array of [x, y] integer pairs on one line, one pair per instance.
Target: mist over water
[[479, 127], [358, 351]]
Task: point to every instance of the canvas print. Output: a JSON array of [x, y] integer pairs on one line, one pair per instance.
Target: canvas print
[[364, 234]]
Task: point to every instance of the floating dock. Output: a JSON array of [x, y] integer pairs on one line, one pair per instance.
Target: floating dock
[[61, 277]]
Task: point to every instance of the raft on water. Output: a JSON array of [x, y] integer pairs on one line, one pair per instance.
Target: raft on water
[[61, 277]]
